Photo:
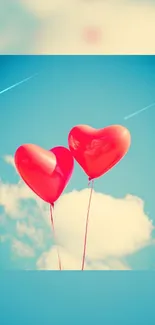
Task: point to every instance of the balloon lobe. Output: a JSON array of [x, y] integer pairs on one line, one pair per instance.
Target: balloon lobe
[[97, 151], [45, 172]]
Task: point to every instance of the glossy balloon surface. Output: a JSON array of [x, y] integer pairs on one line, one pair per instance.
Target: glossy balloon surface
[[45, 172], [97, 151]]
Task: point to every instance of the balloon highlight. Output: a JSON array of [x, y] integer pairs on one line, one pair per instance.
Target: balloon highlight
[[48, 172], [97, 151], [45, 172]]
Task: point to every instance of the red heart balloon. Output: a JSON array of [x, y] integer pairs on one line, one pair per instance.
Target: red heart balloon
[[97, 151], [45, 172]]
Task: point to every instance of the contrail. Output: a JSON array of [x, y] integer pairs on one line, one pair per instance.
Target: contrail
[[138, 112], [17, 84]]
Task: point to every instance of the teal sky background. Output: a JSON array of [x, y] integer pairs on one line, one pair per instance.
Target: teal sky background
[[94, 90], [77, 298], [45, 298]]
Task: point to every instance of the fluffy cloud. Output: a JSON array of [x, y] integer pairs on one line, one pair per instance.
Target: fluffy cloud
[[11, 196], [117, 227], [49, 261], [9, 160], [36, 235], [21, 249]]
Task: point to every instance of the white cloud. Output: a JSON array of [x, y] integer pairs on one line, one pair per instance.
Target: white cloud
[[21, 249], [36, 235], [10, 197], [117, 227], [10, 160], [113, 264], [49, 261]]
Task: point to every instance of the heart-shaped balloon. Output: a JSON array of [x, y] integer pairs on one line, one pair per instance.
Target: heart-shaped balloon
[[97, 151], [45, 172]]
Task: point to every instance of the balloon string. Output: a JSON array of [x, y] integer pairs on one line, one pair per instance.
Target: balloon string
[[87, 222], [89, 182], [53, 228]]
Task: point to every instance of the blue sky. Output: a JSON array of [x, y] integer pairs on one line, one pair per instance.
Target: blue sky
[[115, 298], [70, 90]]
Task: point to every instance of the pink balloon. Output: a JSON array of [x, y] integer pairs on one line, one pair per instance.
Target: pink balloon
[[47, 173], [98, 150]]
